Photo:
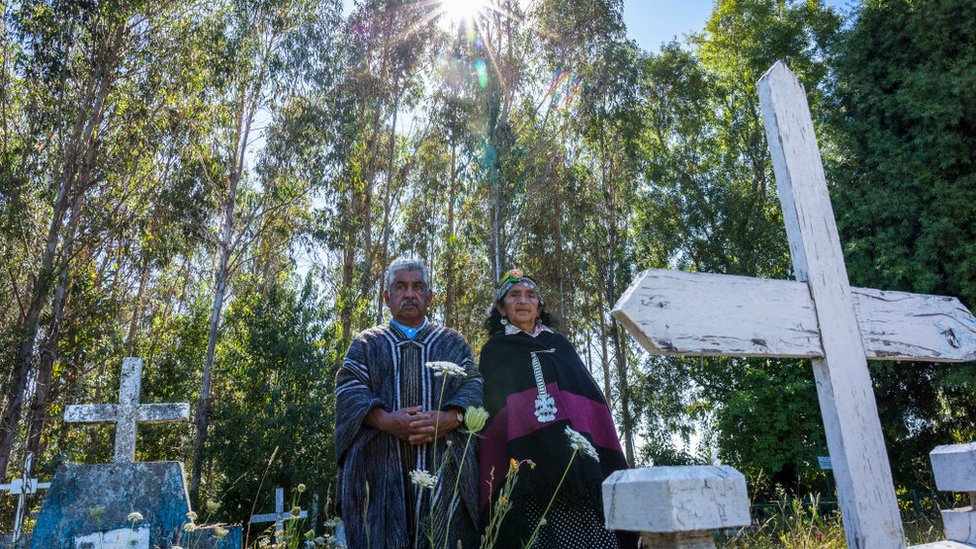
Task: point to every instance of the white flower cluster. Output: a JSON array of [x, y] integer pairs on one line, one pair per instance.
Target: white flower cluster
[[446, 368], [134, 516], [422, 479], [580, 443]]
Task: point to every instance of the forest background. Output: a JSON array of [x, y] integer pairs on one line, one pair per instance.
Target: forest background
[[216, 186]]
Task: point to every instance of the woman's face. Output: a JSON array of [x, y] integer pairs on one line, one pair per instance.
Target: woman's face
[[521, 306]]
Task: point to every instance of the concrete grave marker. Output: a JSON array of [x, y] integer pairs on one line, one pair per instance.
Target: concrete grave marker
[[279, 516], [94, 500], [88, 505], [819, 316], [676, 507], [954, 466], [128, 413]]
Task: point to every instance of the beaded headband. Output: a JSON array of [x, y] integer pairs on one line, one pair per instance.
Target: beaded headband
[[513, 277]]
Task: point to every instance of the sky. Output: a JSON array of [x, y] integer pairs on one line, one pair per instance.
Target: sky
[[655, 22]]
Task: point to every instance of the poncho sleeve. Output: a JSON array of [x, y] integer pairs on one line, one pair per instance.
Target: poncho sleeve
[[470, 390], [354, 397]]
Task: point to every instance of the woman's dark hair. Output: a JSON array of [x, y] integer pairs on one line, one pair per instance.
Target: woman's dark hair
[[494, 321]]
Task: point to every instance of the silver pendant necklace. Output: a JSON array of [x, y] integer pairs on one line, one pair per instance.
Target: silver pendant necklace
[[545, 406]]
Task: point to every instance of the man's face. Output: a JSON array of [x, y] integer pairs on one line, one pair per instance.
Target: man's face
[[408, 298]]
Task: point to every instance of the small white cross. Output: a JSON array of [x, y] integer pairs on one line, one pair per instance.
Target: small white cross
[[279, 516], [23, 487], [128, 412]]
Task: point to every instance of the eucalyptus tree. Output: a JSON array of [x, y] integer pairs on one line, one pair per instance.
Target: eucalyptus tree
[[257, 35], [93, 122]]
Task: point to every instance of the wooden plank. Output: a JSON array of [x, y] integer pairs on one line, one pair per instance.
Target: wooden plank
[[907, 326], [864, 485], [682, 313]]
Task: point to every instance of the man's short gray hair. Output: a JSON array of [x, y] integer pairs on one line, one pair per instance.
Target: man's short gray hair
[[407, 264]]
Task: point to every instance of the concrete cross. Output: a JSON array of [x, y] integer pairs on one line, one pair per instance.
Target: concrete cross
[[23, 487], [818, 317], [128, 413], [279, 516]]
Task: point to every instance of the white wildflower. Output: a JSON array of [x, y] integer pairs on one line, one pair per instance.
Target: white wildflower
[[189, 527], [580, 443], [134, 517], [422, 478], [446, 368], [192, 516], [220, 531], [300, 488]]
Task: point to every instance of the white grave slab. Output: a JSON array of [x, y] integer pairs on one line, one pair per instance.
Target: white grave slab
[[121, 538], [819, 316], [944, 545]]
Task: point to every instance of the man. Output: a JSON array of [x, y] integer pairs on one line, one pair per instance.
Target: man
[[389, 407]]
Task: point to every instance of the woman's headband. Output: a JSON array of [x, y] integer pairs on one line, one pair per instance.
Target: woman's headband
[[513, 277]]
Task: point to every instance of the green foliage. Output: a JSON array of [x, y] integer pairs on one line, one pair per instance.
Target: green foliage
[[275, 397], [905, 121], [708, 204]]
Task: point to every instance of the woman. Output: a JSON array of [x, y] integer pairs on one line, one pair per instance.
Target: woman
[[535, 387]]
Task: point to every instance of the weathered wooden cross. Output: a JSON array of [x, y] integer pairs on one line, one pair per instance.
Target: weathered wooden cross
[[23, 487], [128, 413], [279, 516], [818, 317]]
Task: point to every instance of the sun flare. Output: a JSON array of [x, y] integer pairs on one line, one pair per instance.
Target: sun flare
[[455, 13]]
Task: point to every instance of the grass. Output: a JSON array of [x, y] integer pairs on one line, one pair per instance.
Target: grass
[[800, 524]]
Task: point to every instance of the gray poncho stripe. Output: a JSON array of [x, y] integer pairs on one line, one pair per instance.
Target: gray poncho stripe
[[384, 368]]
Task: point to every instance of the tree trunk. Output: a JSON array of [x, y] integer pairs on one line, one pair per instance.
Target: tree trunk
[[450, 296], [387, 206], [220, 289], [49, 351], [130, 337], [604, 353], [620, 354], [79, 155]]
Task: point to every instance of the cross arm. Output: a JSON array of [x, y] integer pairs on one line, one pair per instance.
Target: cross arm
[[275, 517], [160, 413], [91, 413], [677, 312]]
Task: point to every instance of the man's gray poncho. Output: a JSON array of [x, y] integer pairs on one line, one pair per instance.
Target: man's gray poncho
[[384, 368]]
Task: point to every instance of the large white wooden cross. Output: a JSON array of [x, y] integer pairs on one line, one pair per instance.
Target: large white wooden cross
[[818, 317], [128, 413], [23, 487], [279, 516]]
